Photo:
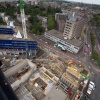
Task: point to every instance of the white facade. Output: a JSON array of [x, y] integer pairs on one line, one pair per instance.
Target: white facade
[[69, 47], [19, 67]]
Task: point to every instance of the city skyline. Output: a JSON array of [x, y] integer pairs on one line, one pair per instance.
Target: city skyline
[[87, 1]]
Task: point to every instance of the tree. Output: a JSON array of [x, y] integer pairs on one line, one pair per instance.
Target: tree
[[1, 22], [58, 10], [92, 22], [51, 22], [2, 8], [95, 56], [95, 20], [92, 39], [33, 19]]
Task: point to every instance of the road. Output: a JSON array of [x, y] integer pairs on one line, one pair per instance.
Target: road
[[50, 48], [95, 77], [94, 71], [96, 31], [95, 95], [66, 56], [87, 59]]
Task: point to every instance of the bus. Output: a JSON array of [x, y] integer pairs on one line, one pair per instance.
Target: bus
[[86, 49], [86, 42]]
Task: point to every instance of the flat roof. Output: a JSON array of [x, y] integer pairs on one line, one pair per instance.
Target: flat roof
[[59, 35]]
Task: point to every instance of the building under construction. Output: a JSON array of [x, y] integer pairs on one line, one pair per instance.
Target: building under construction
[[6, 91]]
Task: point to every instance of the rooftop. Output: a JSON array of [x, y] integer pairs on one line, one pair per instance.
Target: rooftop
[[60, 36]]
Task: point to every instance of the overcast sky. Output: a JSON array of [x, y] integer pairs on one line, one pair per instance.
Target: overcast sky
[[87, 1]]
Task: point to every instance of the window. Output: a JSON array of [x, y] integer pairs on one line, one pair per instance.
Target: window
[[75, 47]]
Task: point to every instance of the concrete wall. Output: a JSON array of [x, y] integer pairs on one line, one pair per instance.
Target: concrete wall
[[17, 68]]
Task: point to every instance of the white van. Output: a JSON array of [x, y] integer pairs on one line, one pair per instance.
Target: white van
[[90, 87]]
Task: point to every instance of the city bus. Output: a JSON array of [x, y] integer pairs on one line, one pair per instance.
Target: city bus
[[86, 49]]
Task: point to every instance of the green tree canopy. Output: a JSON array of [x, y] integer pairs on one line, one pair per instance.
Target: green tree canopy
[[51, 22], [95, 20]]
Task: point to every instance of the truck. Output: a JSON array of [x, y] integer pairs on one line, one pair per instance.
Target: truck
[[91, 87]]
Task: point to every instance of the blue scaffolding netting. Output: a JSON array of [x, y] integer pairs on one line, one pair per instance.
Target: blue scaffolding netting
[[6, 31], [18, 44]]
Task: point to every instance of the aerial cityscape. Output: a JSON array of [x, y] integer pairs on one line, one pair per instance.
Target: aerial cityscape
[[49, 50]]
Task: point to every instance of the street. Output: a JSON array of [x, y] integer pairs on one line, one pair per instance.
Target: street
[[66, 56], [95, 95], [83, 59], [96, 31]]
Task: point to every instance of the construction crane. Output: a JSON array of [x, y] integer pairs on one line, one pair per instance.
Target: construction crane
[[23, 18], [24, 25]]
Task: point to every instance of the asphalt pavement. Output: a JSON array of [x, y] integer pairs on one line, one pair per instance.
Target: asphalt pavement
[[95, 95], [96, 30], [94, 71], [67, 56]]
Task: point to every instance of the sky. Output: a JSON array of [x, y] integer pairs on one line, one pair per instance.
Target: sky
[[87, 1]]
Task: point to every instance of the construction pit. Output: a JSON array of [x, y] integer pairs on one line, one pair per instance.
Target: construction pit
[[52, 63], [39, 78]]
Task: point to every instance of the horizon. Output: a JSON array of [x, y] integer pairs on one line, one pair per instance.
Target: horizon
[[86, 1]]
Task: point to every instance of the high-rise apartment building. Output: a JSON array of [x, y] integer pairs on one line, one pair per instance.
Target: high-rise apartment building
[[73, 27], [60, 19]]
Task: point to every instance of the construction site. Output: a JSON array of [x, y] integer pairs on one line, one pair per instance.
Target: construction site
[[44, 75], [34, 79], [71, 77], [13, 38]]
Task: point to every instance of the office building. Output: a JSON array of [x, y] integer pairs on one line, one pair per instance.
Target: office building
[[73, 45], [74, 27], [60, 19]]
